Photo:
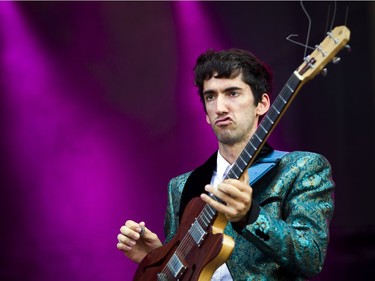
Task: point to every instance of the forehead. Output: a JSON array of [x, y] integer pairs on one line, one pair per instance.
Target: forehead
[[221, 84]]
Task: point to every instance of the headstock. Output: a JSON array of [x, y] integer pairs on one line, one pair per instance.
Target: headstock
[[324, 53]]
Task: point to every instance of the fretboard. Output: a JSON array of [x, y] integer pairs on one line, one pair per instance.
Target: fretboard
[[199, 228], [265, 128]]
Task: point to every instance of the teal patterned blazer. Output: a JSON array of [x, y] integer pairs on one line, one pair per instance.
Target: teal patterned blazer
[[286, 237]]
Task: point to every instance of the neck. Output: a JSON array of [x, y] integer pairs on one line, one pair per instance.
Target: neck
[[231, 152]]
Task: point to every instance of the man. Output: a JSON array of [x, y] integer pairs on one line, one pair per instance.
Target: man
[[280, 223]]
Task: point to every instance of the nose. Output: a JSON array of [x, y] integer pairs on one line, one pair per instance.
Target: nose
[[221, 105]]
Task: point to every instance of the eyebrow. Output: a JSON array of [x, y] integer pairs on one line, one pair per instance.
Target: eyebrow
[[225, 90]]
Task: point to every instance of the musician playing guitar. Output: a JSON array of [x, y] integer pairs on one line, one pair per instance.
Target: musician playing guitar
[[277, 226]]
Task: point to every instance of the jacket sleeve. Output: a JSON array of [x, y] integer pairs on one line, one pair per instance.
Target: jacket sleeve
[[171, 219], [295, 234]]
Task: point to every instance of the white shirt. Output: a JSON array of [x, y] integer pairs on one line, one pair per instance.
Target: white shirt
[[222, 168]]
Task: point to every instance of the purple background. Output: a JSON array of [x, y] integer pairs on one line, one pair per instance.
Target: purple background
[[98, 111]]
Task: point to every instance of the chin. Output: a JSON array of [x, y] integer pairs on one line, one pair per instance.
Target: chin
[[228, 140]]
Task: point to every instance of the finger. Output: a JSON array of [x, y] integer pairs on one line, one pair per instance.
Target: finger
[[232, 212], [221, 193], [123, 247], [228, 191], [128, 232], [140, 228], [133, 225], [126, 240], [213, 203], [238, 184], [233, 196]]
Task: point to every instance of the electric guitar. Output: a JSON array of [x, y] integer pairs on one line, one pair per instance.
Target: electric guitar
[[200, 247]]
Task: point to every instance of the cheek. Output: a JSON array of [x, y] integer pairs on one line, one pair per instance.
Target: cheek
[[208, 119]]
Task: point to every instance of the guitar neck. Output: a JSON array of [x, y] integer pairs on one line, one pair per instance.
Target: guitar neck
[[195, 237], [202, 222], [266, 126]]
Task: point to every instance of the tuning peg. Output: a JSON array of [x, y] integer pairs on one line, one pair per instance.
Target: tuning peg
[[336, 60], [348, 48], [324, 72]]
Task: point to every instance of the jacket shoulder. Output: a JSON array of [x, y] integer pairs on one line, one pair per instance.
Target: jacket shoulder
[[178, 182]]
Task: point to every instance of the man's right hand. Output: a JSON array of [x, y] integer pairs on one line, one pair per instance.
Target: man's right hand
[[136, 241]]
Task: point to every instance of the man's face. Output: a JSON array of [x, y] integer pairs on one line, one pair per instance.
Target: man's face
[[230, 109]]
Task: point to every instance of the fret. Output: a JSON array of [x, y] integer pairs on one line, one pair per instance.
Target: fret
[[290, 89], [261, 126], [260, 132], [243, 161], [237, 166], [202, 223], [235, 176], [250, 149], [256, 135], [270, 119], [205, 219], [255, 149], [245, 150], [211, 211], [283, 100], [278, 112]]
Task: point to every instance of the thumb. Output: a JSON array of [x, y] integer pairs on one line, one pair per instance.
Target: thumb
[[142, 226], [245, 177]]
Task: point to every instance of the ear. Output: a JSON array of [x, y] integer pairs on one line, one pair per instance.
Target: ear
[[263, 105]]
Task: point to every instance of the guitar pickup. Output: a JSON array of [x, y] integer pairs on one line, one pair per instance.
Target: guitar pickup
[[197, 232]]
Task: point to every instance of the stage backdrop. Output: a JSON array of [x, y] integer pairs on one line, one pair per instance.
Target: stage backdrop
[[98, 111]]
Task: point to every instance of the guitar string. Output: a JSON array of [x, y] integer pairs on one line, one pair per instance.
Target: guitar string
[[334, 15], [282, 100], [308, 29], [188, 241], [185, 246], [294, 81]]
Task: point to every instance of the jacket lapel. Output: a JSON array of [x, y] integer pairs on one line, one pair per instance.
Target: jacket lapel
[[194, 185], [201, 176]]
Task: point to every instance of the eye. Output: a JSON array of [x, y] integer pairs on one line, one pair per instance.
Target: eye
[[233, 93], [209, 97]]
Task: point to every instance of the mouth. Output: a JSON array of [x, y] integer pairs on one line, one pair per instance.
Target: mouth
[[223, 121]]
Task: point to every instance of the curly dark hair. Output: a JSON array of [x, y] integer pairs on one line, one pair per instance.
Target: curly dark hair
[[231, 63]]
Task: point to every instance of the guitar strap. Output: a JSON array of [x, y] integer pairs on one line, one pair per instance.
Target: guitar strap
[[194, 186], [264, 165]]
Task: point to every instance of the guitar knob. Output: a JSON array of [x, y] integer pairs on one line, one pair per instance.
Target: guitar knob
[[336, 60], [348, 48], [324, 72]]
